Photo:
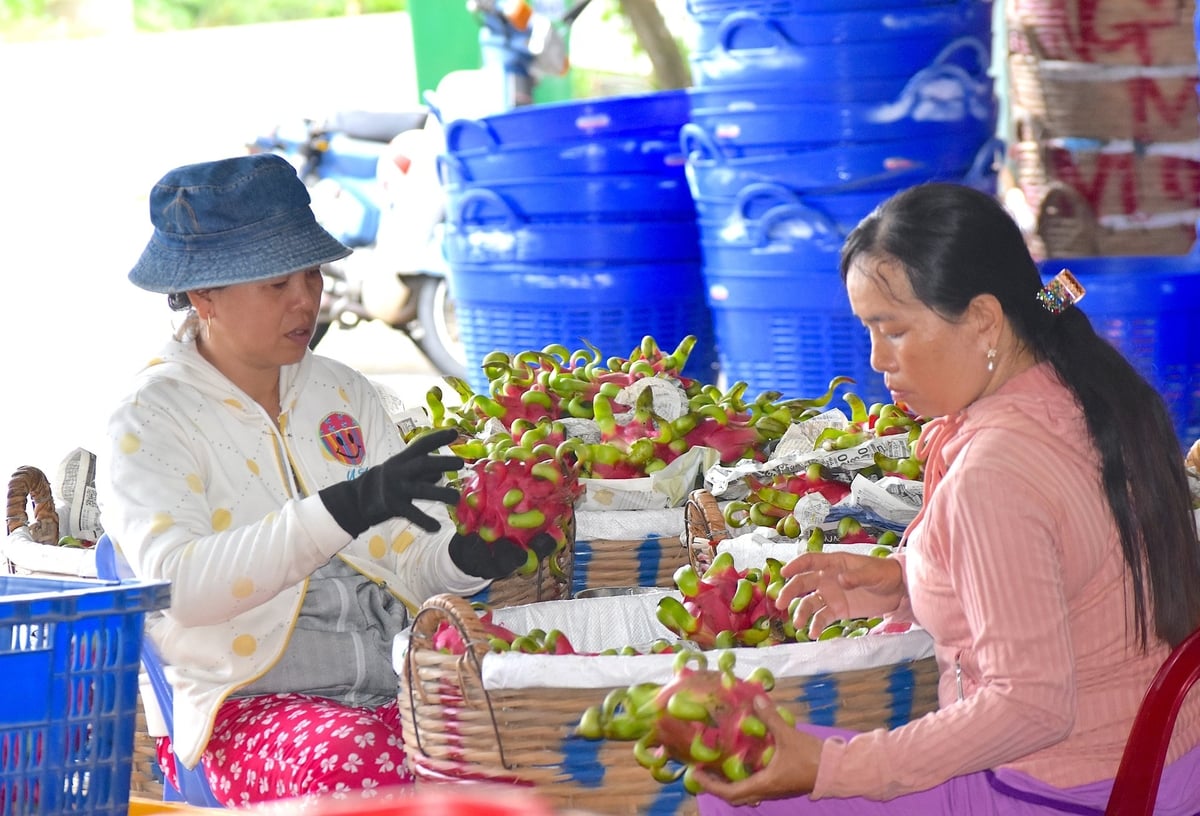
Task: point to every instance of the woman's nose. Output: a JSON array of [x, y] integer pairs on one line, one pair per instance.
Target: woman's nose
[[880, 359], [304, 291]]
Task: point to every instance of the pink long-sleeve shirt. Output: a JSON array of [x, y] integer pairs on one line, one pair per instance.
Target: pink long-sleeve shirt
[[1015, 568]]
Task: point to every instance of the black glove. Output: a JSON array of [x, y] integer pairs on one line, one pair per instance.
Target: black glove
[[474, 556], [387, 491]]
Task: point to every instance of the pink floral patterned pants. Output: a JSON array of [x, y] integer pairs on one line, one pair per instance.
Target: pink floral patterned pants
[[279, 746]]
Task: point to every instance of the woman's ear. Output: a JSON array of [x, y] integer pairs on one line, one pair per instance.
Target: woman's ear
[[987, 315], [202, 302]]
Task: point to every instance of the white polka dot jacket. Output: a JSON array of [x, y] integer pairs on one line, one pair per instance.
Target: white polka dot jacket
[[201, 488]]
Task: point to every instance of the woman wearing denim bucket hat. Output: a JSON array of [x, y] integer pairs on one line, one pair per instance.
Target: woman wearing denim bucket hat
[[271, 488]]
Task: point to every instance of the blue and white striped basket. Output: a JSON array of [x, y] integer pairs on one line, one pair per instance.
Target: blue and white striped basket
[[511, 717]]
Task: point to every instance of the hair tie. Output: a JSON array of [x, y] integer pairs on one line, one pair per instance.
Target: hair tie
[[1062, 291]]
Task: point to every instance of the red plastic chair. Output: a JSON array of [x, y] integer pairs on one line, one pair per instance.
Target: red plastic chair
[[1135, 788]]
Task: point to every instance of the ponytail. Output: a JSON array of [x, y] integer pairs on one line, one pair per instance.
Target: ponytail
[[1141, 469], [956, 243]]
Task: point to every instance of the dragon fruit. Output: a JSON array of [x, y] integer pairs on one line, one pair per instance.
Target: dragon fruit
[[699, 720], [518, 498], [448, 638]]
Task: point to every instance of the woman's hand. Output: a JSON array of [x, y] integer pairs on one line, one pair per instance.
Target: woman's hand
[[792, 771], [389, 490], [838, 586]]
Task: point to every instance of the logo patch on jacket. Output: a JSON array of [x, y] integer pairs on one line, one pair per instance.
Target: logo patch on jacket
[[343, 438]]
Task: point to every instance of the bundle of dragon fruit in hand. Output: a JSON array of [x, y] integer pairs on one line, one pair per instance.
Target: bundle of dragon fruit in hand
[[699, 720], [523, 501]]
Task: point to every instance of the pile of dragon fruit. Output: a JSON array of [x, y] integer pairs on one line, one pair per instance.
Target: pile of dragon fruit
[[554, 417]]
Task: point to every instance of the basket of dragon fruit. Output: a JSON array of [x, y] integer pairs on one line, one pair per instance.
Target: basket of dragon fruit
[[571, 697]]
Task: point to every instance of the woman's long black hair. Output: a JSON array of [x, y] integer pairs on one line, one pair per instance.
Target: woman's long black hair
[[955, 243]]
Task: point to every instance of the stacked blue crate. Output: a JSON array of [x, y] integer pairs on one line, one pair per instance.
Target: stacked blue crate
[[572, 223], [807, 114]]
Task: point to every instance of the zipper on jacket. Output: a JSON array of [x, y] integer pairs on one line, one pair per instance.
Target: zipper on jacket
[[287, 467]]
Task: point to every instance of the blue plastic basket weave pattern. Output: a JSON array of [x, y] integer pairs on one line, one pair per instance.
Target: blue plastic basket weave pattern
[[69, 654], [796, 349], [514, 307], [1146, 307]]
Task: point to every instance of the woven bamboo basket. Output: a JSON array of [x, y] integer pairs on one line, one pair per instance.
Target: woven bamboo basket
[[1115, 179], [644, 562], [1067, 226], [1145, 104], [1076, 191], [1114, 32], [146, 778], [455, 729], [645, 553], [30, 489]]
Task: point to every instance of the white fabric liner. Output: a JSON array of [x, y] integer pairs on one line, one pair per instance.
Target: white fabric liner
[[29, 556], [628, 525], [593, 624]]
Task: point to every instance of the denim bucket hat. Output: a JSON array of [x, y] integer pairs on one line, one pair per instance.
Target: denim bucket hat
[[231, 221]]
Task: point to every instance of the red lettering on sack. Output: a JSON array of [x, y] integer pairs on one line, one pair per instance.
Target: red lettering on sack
[[1147, 95], [1071, 30], [1180, 179], [1111, 168]]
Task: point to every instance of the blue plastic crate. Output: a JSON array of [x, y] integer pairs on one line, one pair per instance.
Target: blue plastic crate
[[516, 307], [1146, 306], [790, 331], [69, 656]]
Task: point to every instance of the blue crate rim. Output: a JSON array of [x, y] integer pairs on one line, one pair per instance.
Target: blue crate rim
[[60, 592]]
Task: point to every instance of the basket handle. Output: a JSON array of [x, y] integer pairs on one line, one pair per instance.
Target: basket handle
[[697, 145], [1083, 239], [28, 484], [451, 170], [771, 192], [704, 528], [988, 159], [968, 43], [825, 232], [482, 198], [462, 615], [906, 103], [735, 22], [454, 133]]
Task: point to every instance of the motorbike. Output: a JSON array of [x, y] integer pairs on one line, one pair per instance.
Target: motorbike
[[373, 182], [373, 178]]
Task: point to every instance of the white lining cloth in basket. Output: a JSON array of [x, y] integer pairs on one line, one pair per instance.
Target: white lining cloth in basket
[[33, 557], [593, 624]]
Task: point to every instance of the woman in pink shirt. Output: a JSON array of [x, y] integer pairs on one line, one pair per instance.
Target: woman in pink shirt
[[1055, 562]]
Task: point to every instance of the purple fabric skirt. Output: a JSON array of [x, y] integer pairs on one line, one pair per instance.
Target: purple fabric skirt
[[987, 793]]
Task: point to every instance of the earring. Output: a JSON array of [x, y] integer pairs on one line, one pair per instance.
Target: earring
[[991, 359]]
